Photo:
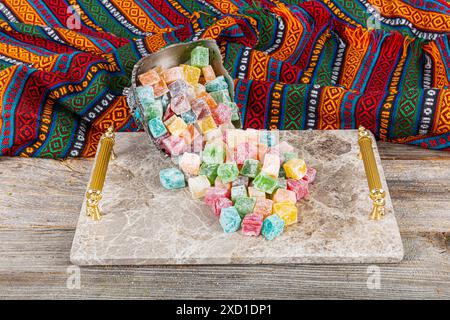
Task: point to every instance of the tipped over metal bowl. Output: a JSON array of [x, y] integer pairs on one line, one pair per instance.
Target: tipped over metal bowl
[[168, 57]]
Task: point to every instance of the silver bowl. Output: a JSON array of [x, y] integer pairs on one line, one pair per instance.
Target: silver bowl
[[168, 57]]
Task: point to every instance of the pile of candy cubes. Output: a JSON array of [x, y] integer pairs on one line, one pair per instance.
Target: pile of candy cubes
[[250, 180], [186, 102]]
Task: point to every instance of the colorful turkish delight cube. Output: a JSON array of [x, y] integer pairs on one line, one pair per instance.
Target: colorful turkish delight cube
[[255, 193], [221, 203], [295, 168], [286, 211], [217, 84], [214, 152], [265, 182], [221, 114], [238, 191], [263, 207], [145, 95], [156, 127], [271, 165], [300, 187], [200, 107], [178, 87], [272, 227], [244, 205], [209, 170], [154, 110], [284, 195], [179, 104], [189, 117], [206, 124], [214, 193], [172, 74], [174, 145], [251, 168], [172, 178], [230, 220], [220, 96], [200, 57], [228, 172], [208, 73], [252, 224], [198, 186], [149, 78], [212, 104], [191, 74], [176, 126], [160, 88], [190, 163]]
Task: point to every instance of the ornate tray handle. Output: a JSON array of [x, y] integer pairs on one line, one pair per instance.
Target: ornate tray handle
[[94, 194], [377, 193]]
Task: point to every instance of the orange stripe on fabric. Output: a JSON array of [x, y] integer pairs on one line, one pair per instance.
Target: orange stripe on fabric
[[225, 6], [213, 31], [423, 19], [440, 74], [136, 15], [25, 12], [155, 42], [258, 66], [292, 34], [45, 63], [79, 41], [117, 115], [442, 118], [6, 76], [359, 43], [329, 116], [339, 13]]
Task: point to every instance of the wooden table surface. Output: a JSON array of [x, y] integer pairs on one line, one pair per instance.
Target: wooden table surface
[[40, 202]]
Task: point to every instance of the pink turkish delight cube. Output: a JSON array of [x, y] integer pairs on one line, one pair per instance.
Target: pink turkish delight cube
[[252, 224], [220, 184], [221, 203], [300, 187], [174, 145], [214, 193], [245, 151], [221, 114], [200, 107], [263, 207], [179, 104]]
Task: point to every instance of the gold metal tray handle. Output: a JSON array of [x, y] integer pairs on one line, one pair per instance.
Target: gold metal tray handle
[[377, 194], [94, 194]]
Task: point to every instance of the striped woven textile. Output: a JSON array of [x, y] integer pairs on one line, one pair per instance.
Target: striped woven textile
[[383, 64]]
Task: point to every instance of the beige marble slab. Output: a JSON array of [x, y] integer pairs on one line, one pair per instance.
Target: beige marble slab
[[146, 224]]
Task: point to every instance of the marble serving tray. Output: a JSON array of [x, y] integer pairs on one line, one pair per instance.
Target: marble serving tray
[[145, 224]]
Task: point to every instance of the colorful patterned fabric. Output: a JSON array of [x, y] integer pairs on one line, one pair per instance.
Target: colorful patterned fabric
[[298, 65]]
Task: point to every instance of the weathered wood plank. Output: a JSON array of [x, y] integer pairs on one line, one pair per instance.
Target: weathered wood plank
[[40, 270], [392, 151], [420, 192]]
